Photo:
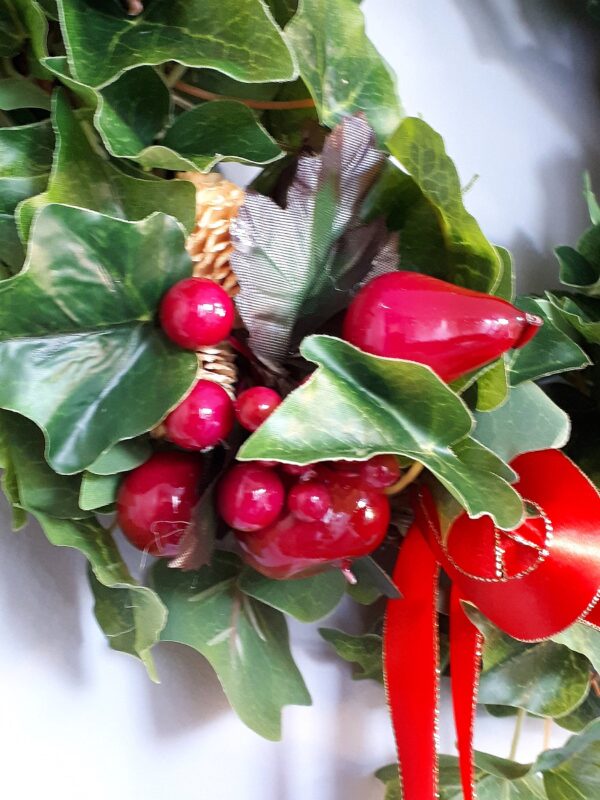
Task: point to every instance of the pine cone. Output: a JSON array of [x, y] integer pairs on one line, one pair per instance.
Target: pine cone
[[217, 363], [217, 204]]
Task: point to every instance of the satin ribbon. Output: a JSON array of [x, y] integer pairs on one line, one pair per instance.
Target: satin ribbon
[[532, 582]]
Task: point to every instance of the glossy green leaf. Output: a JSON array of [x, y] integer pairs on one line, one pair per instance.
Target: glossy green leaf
[[20, 93], [364, 651], [98, 491], [590, 197], [12, 253], [581, 312], [12, 31], [492, 387], [372, 582], [237, 37], [9, 479], [528, 421], [580, 717], [122, 457], [342, 69], [547, 679], [283, 10], [506, 287], [439, 236], [550, 351], [132, 616], [580, 267], [306, 599], [572, 772], [298, 265], [245, 641], [38, 487], [79, 321], [25, 159], [82, 177], [495, 779], [357, 405], [582, 638], [223, 130]]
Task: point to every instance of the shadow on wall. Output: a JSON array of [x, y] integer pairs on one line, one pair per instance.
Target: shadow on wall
[[553, 48]]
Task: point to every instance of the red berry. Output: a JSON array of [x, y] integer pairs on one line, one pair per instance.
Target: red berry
[[254, 405], [303, 471], [250, 497], [203, 419], [156, 501], [419, 318], [196, 312], [355, 525], [380, 472], [310, 501]]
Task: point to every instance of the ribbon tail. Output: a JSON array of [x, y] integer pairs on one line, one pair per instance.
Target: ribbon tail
[[465, 658], [410, 653]]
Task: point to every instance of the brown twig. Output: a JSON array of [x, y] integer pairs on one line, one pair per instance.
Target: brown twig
[[263, 105]]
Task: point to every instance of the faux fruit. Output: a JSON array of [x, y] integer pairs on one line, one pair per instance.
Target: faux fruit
[[354, 524], [203, 419], [419, 318], [254, 405], [196, 312], [250, 497], [156, 501]]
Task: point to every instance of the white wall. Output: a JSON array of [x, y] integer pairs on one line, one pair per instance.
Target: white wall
[[511, 86]]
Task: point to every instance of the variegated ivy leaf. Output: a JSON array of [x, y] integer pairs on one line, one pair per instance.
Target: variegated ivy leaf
[[357, 405]]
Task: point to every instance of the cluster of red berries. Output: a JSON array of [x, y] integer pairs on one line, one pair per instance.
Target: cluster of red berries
[[292, 520]]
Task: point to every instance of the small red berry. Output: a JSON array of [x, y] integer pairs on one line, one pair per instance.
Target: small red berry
[[253, 406], [196, 312], [303, 471], [250, 497], [310, 501], [380, 472], [156, 500], [203, 419]]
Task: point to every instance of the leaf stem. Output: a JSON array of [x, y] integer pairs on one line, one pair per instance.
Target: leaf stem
[[175, 74], [264, 105], [517, 734], [547, 733], [411, 474]]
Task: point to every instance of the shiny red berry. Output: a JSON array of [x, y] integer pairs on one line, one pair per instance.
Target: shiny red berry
[[253, 406], [419, 318], [310, 501], [203, 419], [354, 526], [303, 471], [380, 472], [156, 500], [196, 312], [250, 497]]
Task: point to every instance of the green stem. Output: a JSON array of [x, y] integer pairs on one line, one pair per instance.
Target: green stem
[[175, 75], [517, 734]]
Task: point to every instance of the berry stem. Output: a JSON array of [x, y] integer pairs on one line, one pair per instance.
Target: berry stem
[[547, 733], [517, 734], [409, 476], [264, 105]]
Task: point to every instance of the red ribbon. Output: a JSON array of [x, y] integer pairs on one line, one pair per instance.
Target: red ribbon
[[531, 582]]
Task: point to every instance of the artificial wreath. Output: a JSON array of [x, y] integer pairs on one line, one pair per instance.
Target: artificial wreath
[[319, 385]]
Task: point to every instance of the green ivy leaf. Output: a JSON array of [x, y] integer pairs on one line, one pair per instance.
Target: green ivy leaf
[[283, 10], [298, 265], [583, 639], [580, 717], [551, 351], [306, 599], [495, 778], [20, 93], [12, 253], [223, 130], [342, 69], [547, 679], [9, 481], [82, 177], [37, 488], [573, 771], [122, 457], [98, 491], [25, 159], [12, 31], [364, 651], [132, 616], [372, 582], [237, 37], [245, 641], [582, 313], [528, 421], [590, 198], [387, 406], [580, 267], [79, 321], [439, 236], [492, 387]]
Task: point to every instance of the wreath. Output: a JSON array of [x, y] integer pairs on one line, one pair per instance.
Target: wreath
[[320, 385]]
